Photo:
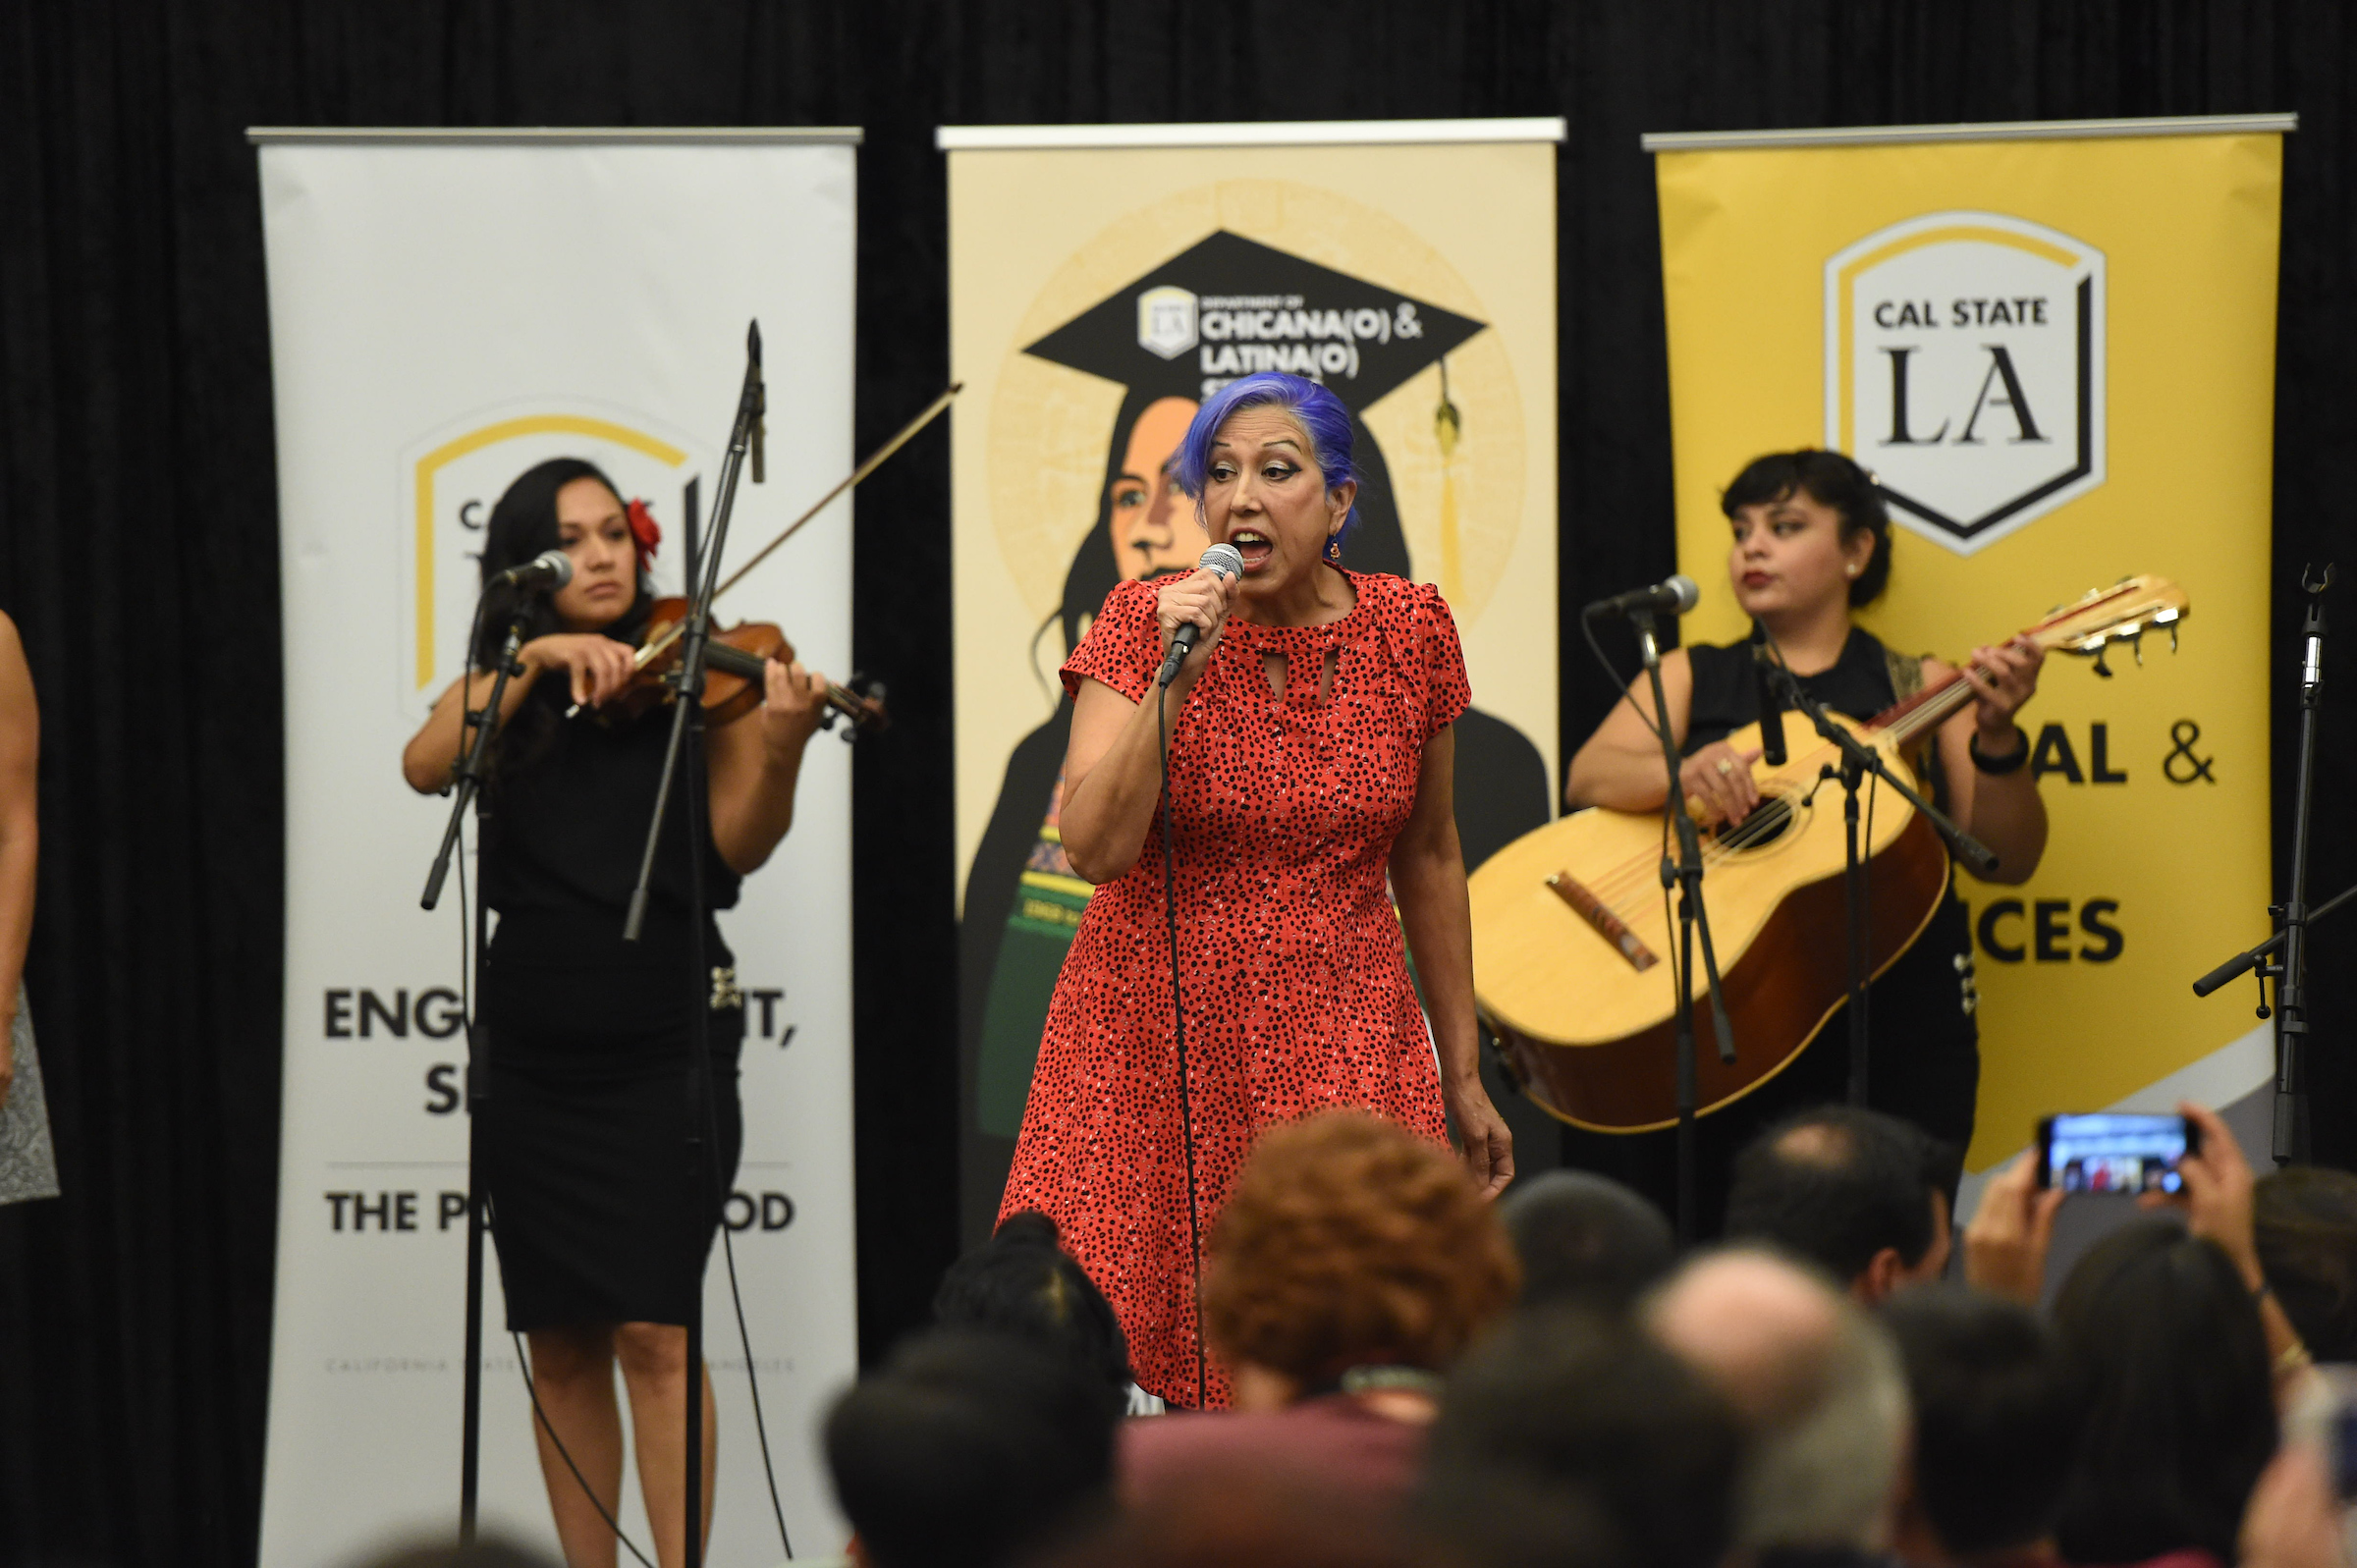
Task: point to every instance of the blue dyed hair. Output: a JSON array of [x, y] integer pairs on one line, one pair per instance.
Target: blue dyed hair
[[1323, 418]]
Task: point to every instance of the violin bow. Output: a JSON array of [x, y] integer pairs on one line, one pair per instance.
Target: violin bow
[[868, 466]]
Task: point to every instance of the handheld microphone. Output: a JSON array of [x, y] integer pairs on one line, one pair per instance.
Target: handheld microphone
[[1228, 561], [550, 569], [1772, 713], [1672, 597]]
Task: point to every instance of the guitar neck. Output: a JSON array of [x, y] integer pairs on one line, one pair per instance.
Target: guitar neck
[[1927, 709], [1937, 702]]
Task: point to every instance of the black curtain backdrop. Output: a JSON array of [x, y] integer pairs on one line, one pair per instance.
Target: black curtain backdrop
[[139, 546]]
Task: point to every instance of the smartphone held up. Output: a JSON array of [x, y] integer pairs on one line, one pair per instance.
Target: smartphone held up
[[2115, 1152]]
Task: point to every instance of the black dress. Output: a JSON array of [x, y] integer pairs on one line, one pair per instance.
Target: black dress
[[1922, 1049], [602, 1208]]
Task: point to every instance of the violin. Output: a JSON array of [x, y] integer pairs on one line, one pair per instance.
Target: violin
[[736, 662], [736, 656]]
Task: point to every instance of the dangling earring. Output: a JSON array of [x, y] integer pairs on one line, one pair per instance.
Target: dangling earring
[[1334, 548]]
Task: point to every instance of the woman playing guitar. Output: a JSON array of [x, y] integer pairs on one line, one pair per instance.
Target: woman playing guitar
[[1811, 543]]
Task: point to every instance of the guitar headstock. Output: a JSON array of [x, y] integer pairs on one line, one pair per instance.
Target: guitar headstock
[[2121, 613]]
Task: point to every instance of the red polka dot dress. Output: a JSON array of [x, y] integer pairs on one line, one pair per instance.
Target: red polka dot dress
[[1291, 958]]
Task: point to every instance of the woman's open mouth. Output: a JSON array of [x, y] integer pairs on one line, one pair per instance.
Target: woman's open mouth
[[1254, 547], [1757, 579]]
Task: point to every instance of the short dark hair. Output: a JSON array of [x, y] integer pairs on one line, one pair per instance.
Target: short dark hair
[[2181, 1413], [1567, 1401], [1998, 1415], [1585, 1240], [1836, 1185], [2307, 1223], [969, 1447], [1022, 1281], [1829, 479]]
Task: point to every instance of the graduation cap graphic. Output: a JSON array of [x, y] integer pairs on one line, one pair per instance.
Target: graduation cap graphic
[[1228, 307]]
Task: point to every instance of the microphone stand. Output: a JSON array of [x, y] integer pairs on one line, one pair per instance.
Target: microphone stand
[[684, 762], [467, 778], [2293, 916], [1685, 874], [1857, 761]]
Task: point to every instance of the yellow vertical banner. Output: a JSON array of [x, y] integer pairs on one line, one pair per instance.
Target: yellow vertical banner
[[1103, 282], [2053, 346]]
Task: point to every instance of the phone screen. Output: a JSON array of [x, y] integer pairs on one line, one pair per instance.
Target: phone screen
[[2113, 1152]]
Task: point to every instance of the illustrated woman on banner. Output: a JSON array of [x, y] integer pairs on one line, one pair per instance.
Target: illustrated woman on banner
[[1022, 900], [602, 1226], [27, 1161]]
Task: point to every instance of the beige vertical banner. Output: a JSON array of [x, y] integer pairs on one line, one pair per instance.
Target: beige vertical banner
[[1103, 281], [2054, 347]]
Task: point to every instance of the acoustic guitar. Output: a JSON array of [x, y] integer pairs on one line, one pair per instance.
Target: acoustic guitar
[[1573, 935]]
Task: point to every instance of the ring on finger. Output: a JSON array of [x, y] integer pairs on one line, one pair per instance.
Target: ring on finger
[[1726, 768]]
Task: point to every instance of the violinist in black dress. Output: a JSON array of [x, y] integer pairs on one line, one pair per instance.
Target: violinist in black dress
[[601, 1227], [1811, 542]]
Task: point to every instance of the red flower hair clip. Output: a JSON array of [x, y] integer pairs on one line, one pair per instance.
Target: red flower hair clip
[[644, 529]]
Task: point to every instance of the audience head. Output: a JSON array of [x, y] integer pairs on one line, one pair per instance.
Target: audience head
[[1855, 1192], [2181, 1415], [969, 1447], [1234, 1517], [1021, 1281], [1997, 1416], [2307, 1228], [1585, 1409], [1349, 1242], [1585, 1240], [1815, 1384]]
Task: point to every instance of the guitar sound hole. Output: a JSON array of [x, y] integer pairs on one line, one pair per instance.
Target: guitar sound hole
[[1768, 823]]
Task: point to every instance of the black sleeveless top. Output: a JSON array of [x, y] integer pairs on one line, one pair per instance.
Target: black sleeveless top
[[569, 806], [1857, 685], [1922, 1040]]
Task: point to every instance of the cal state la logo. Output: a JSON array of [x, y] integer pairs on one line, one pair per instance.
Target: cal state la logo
[[1964, 365], [1165, 320]]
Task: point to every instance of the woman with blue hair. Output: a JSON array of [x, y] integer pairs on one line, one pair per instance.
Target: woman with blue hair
[[1309, 756]]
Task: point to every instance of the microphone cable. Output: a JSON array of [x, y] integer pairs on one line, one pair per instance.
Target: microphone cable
[[1186, 1120]]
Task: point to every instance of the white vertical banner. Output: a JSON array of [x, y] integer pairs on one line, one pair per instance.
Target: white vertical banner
[[447, 310]]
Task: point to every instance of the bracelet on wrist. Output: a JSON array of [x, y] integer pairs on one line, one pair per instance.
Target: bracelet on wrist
[[1998, 766], [2294, 1361]]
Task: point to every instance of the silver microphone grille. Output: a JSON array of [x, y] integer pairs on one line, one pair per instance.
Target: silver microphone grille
[[1226, 560]]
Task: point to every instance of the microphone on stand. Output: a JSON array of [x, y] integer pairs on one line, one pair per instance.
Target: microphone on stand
[[550, 569], [1228, 561], [760, 411], [1673, 596], [1772, 713]]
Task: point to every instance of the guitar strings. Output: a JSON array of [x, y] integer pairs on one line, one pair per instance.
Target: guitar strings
[[1932, 706], [1935, 704]]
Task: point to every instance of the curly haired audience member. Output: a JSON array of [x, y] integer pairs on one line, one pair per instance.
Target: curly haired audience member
[[1585, 1240], [1353, 1263], [1998, 1415], [1022, 1281], [2181, 1414]]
